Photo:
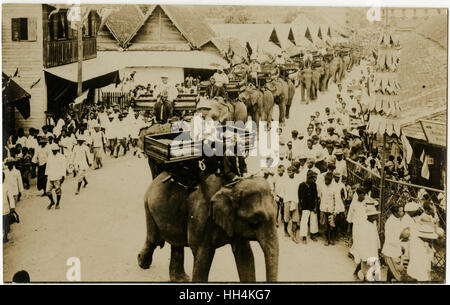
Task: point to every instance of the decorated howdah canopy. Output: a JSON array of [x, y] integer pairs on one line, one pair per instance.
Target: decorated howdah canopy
[[384, 104]]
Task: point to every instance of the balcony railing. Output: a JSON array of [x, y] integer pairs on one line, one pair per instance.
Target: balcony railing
[[63, 52]]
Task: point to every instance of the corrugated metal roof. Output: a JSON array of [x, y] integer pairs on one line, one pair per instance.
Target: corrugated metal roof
[[414, 129]]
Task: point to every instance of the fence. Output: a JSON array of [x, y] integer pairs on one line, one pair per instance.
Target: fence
[[122, 99], [402, 193]]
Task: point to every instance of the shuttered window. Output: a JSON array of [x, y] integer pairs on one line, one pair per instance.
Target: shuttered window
[[23, 29]]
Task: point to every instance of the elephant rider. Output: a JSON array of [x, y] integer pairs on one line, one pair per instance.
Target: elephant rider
[[279, 60], [232, 166], [255, 68], [165, 94], [163, 108], [212, 90], [221, 80]]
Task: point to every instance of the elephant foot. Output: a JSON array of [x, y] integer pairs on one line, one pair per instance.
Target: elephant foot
[[145, 258], [180, 278]]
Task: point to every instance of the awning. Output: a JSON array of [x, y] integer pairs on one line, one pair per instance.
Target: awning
[[62, 81], [15, 95], [177, 59], [92, 68]]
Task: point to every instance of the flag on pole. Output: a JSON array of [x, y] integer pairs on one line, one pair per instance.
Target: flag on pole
[[425, 172], [55, 11], [407, 149], [81, 98]]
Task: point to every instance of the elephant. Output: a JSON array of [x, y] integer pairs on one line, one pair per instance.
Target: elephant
[[305, 82], [208, 218], [336, 66], [325, 77], [280, 91], [259, 103], [315, 84], [223, 111], [291, 93]]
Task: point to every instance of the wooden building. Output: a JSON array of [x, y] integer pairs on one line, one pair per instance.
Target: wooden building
[[38, 41], [428, 136], [153, 40]]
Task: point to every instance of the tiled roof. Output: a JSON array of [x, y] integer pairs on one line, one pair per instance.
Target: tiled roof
[[422, 75], [125, 23], [435, 28]]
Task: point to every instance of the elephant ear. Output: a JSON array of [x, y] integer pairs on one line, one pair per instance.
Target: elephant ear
[[223, 213]]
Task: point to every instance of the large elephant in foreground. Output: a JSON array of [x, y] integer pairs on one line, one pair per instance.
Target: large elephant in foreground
[[208, 218], [280, 91], [259, 103], [305, 82]]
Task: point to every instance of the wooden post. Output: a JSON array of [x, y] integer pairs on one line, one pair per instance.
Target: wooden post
[[383, 180], [383, 157], [80, 56]]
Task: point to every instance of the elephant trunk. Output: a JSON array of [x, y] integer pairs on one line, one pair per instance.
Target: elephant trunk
[[268, 240]]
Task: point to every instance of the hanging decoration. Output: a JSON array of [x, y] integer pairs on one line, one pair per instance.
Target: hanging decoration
[[384, 106]]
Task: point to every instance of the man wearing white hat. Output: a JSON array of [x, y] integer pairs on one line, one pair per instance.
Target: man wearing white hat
[[165, 88], [81, 161], [98, 145], [422, 253], [411, 215], [341, 165], [56, 172], [221, 78], [369, 239]]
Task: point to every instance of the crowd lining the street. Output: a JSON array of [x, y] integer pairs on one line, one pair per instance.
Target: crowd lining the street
[[310, 183], [68, 148], [313, 193]]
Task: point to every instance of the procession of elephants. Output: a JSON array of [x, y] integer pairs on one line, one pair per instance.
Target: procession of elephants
[[214, 214]]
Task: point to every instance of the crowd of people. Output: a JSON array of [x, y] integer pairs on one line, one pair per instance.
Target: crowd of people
[[313, 193], [310, 182], [70, 147]]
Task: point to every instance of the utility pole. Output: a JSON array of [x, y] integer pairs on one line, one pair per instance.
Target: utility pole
[[80, 55], [383, 157]]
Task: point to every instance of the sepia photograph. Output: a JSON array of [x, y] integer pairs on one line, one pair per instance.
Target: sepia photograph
[[150, 142]]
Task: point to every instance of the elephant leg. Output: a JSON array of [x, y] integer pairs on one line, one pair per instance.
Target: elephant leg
[[302, 92], [245, 261], [288, 107], [308, 94], [153, 239], [203, 257], [269, 118], [282, 108], [176, 267]]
